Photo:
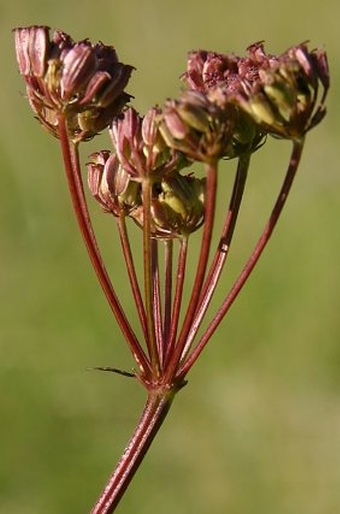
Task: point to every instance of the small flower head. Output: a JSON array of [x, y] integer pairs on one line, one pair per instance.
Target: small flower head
[[247, 136], [220, 77], [177, 203], [78, 80], [197, 127], [284, 99], [207, 71]]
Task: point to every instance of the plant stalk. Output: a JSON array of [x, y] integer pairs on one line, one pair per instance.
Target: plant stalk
[[73, 174], [222, 251], [155, 411], [148, 280], [212, 175]]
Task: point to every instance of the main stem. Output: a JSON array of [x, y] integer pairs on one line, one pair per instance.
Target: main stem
[[155, 411]]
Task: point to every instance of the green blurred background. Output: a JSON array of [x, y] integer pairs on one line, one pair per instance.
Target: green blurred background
[[257, 430]]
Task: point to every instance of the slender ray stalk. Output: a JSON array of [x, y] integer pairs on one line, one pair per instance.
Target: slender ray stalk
[[253, 259], [73, 173], [180, 279], [130, 266], [148, 282], [168, 284], [222, 250], [212, 173]]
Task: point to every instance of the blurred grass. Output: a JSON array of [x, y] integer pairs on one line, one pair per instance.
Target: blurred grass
[[258, 428]]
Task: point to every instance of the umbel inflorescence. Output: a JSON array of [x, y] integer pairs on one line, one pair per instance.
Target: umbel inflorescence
[[227, 108]]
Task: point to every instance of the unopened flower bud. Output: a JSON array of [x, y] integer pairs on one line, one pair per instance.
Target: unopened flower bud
[[77, 80], [247, 136], [177, 206], [95, 169], [140, 146], [111, 185]]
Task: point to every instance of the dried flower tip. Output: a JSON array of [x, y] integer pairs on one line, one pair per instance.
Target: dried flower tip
[[206, 70], [209, 70], [83, 82]]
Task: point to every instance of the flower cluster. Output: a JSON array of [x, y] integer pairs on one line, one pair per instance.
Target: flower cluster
[[78, 80], [280, 93], [141, 156], [229, 106]]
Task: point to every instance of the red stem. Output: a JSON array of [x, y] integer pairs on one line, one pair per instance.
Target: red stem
[[148, 285], [153, 415], [132, 272], [168, 267], [181, 267], [157, 307], [222, 251], [75, 183], [212, 173], [253, 259]]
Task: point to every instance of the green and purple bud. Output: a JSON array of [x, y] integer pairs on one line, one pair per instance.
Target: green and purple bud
[[111, 185], [177, 206], [197, 127], [285, 99]]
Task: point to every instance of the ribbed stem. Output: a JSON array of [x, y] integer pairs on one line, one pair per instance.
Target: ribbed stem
[[156, 408]]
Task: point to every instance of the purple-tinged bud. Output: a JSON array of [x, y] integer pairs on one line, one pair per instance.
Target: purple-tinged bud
[[126, 135], [150, 131], [140, 146], [77, 66], [82, 82], [95, 169], [32, 46]]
